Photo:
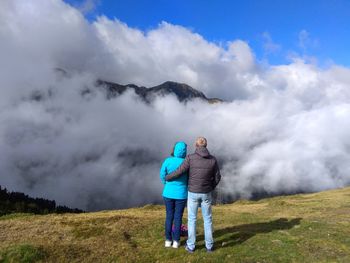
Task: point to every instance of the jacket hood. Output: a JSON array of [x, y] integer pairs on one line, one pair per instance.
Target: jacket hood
[[180, 150], [202, 151]]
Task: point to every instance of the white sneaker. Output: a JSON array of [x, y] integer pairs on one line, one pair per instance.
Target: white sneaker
[[167, 243], [176, 244]]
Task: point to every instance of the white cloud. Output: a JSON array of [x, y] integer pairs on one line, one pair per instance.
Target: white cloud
[[306, 41], [285, 129], [270, 47], [88, 6]]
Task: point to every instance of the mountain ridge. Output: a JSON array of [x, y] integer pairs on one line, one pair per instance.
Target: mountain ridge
[[182, 91]]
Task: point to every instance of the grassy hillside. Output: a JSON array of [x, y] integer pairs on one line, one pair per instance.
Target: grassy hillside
[[299, 228]]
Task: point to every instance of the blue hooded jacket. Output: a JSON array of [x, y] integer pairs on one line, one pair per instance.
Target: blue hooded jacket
[[176, 189]]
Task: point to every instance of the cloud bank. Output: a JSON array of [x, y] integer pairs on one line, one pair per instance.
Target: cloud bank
[[283, 129]]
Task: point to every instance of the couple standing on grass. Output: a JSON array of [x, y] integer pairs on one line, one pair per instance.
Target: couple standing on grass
[[190, 179]]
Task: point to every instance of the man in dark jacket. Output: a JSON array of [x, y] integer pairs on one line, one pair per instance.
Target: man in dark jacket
[[204, 175]]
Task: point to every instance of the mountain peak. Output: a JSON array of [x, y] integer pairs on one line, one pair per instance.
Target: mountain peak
[[182, 91]]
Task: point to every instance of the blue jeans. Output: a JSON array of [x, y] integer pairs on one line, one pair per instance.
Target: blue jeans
[[174, 212], [193, 202]]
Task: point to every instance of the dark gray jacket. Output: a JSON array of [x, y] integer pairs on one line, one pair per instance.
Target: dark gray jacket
[[203, 171]]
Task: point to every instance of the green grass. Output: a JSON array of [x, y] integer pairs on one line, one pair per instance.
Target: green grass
[[15, 215], [297, 228], [24, 253]]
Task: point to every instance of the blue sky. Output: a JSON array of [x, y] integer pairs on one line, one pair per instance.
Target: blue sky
[[275, 30]]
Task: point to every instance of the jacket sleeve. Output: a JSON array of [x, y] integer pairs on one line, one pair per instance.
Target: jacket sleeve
[[217, 176], [163, 172], [183, 168]]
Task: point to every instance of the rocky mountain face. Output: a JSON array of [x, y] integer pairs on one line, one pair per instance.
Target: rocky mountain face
[[183, 92]]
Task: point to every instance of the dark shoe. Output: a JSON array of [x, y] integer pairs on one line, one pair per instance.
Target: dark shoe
[[211, 250], [188, 249]]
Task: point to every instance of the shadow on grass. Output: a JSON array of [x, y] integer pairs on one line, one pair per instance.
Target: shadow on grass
[[234, 235]]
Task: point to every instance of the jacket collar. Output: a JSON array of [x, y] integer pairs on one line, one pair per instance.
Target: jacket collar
[[202, 151]]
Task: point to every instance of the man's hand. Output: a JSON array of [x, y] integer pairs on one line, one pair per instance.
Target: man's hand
[[183, 168]]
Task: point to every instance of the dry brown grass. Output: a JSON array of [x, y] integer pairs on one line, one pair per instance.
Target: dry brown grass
[[300, 228]]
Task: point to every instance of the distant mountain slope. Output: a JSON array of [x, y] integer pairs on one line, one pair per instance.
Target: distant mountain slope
[[183, 92], [16, 202], [296, 228]]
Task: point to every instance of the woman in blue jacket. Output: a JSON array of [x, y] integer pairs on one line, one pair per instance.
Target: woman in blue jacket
[[174, 194]]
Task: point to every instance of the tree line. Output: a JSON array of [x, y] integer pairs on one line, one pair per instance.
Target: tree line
[[17, 202]]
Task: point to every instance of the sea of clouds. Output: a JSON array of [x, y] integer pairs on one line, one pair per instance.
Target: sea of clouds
[[283, 128]]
